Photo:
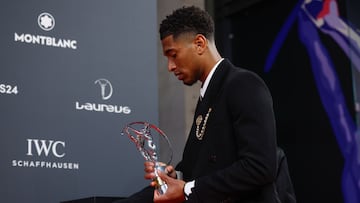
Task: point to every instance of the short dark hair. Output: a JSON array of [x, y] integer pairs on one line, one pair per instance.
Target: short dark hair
[[187, 20]]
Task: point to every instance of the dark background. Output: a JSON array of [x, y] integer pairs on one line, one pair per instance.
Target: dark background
[[245, 32]]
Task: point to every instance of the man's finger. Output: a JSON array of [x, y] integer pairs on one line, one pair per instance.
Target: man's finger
[[162, 175]]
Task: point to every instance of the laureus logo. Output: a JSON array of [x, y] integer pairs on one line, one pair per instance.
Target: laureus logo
[[105, 87], [106, 91], [46, 21]]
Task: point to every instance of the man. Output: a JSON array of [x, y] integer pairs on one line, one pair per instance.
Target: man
[[230, 154]]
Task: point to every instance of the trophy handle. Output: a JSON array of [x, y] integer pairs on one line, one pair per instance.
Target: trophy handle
[[161, 186]]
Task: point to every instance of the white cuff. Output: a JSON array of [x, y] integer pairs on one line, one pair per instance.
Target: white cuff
[[187, 188]]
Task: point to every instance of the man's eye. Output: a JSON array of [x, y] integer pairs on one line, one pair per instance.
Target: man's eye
[[173, 56]]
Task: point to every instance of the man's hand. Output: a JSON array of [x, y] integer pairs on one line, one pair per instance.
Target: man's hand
[[175, 191], [150, 173]]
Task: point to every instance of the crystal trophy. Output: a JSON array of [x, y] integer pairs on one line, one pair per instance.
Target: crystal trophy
[[145, 136]]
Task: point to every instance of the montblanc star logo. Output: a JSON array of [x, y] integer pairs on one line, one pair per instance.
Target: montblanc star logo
[[46, 21]]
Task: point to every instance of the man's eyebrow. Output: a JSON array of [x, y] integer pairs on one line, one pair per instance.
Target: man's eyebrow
[[168, 51]]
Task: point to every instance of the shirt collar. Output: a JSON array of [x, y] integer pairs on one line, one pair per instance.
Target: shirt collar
[[208, 78]]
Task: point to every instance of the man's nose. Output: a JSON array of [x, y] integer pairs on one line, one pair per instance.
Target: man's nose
[[171, 65]]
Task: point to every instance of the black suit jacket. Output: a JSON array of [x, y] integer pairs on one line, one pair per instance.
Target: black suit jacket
[[236, 159]]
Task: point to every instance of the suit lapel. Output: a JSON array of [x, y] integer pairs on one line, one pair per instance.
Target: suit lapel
[[215, 84], [212, 93]]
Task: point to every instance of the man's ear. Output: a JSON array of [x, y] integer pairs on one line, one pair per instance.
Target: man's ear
[[200, 42]]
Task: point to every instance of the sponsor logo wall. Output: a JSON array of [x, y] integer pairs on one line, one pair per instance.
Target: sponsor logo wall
[[69, 82]]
